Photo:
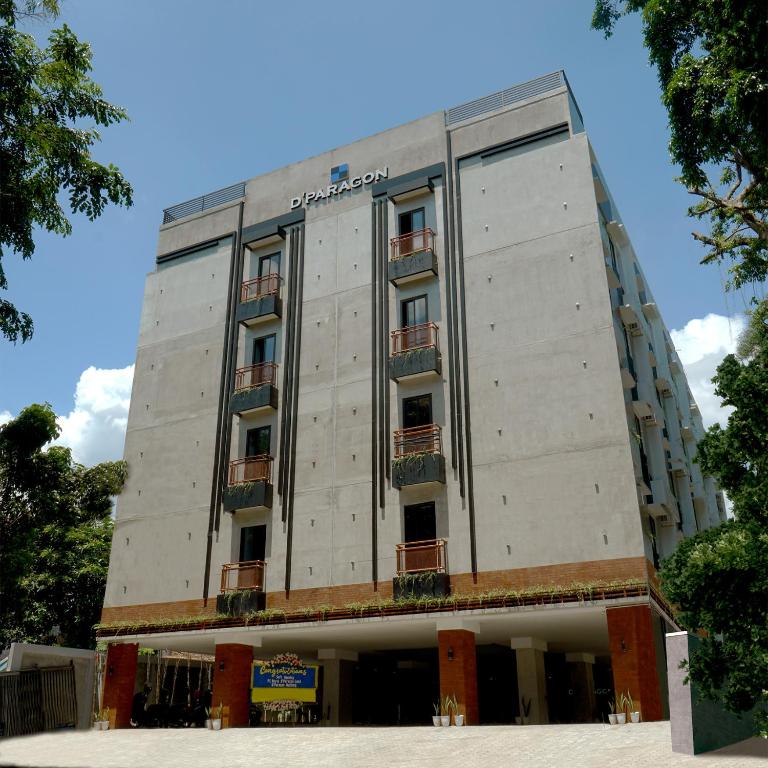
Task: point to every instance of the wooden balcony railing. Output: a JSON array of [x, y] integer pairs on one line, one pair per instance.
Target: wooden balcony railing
[[419, 556], [246, 575], [251, 469], [260, 286], [414, 337], [412, 242], [426, 439], [255, 375]]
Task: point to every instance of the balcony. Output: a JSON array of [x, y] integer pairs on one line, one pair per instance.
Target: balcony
[[249, 484], [627, 379], [415, 352], [660, 505], [663, 386], [631, 320], [421, 570], [254, 389], [412, 257], [644, 412], [418, 456], [260, 300], [612, 275], [687, 434], [242, 588], [678, 467], [650, 310]]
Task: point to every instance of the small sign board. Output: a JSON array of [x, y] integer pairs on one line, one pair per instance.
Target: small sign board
[[277, 682]]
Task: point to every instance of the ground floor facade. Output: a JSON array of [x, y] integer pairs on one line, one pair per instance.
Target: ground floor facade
[[548, 662]]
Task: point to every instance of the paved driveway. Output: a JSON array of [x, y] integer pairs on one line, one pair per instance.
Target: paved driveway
[[645, 745]]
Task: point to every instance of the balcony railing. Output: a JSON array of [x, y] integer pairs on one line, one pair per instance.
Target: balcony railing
[[248, 574], [419, 556], [268, 285], [412, 242], [251, 469], [414, 337], [255, 375], [426, 439]]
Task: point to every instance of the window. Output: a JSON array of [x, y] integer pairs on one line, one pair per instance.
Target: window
[[253, 543], [419, 522], [264, 350], [269, 265], [417, 411], [411, 221], [258, 441], [413, 311]]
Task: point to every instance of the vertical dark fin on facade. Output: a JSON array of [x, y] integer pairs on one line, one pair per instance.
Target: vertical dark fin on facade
[[374, 425], [287, 377], [296, 365], [232, 296], [385, 341], [465, 366], [381, 360], [455, 371], [447, 245]]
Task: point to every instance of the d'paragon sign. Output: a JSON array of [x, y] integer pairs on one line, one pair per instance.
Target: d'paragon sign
[[339, 189]]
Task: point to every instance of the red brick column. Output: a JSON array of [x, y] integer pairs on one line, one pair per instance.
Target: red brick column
[[232, 681], [458, 675], [120, 681], [633, 658]]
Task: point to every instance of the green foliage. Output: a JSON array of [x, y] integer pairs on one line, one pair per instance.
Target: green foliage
[[711, 60], [45, 94], [55, 533], [719, 578]]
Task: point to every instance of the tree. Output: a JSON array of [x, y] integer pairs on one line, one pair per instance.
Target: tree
[[55, 534], [719, 578], [44, 96], [711, 60]]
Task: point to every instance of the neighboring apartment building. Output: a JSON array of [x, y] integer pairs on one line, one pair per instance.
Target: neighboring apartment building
[[426, 362]]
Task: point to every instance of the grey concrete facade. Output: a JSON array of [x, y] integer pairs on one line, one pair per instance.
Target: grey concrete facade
[[568, 428]]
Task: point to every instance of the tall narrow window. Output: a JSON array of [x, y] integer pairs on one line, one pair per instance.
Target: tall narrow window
[[258, 441], [413, 311], [269, 265], [417, 411], [419, 522], [253, 543], [411, 221], [264, 349]]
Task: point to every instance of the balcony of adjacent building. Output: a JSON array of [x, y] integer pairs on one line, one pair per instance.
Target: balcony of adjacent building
[[661, 504], [242, 588], [249, 484], [412, 256], [418, 456], [415, 352], [255, 389], [260, 300], [644, 411], [630, 320]]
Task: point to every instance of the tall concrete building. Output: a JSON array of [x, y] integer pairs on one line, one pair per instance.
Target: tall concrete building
[[409, 410]]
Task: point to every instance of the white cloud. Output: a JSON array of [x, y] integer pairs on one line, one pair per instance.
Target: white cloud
[[702, 344], [95, 428], [5, 417]]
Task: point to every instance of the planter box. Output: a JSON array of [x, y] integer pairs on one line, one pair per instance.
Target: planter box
[[246, 400], [413, 267], [418, 468], [241, 602], [264, 308], [247, 495], [421, 585], [418, 361]]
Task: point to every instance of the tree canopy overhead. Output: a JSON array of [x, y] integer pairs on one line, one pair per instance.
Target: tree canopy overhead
[[55, 534], [712, 63], [50, 109]]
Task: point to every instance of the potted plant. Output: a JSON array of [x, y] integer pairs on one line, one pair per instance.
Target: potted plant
[[208, 718], [634, 714], [621, 715], [458, 719], [436, 716], [611, 713], [445, 711], [216, 719], [101, 720]]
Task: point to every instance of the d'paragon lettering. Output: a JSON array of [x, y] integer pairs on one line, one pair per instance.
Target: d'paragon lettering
[[339, 189]]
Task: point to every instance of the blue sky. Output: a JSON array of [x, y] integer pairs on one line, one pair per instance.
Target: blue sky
[[221, 91]]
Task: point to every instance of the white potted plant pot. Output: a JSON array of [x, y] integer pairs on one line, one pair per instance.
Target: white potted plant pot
[[436, 720], [216, 724], [634, 717], [612, 718], [208, 723], [621, 718], [458, 720], [445, 720]]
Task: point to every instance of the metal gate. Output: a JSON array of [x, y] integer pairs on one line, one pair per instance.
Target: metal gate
[[35, 700]]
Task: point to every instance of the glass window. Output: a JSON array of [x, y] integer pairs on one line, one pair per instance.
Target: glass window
[[264, 350], [417, 411], [269, 265], [414, 311], [411, 221], [258, 441], [419, 522], [253, 543]]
